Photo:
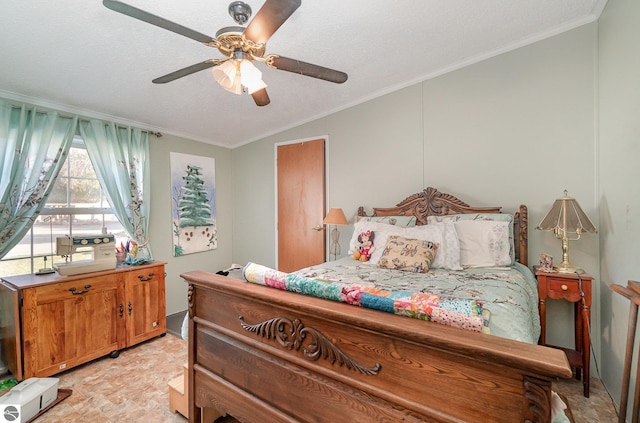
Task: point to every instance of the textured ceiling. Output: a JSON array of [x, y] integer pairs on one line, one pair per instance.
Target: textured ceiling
[[80, 57]]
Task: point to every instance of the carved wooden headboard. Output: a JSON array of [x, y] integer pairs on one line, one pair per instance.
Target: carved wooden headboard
[[431, 202]]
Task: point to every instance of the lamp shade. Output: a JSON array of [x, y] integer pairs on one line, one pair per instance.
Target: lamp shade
[[234, 73], [228, 76], [335, 217], [566, 217], [251, 77]]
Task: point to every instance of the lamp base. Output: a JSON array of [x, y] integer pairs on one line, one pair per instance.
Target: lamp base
[[567, 268], [335, 246]]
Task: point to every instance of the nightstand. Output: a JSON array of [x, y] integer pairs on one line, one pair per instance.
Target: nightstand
[[575, 288]]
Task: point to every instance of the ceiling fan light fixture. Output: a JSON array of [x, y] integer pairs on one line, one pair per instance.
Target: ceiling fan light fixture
[[259, 85], [240, 45], [251, 77], [236, 87], [226, 75]]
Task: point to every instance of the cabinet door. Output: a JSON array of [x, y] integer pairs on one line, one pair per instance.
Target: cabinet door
[[145, 304], [10, 342], [69, 323]]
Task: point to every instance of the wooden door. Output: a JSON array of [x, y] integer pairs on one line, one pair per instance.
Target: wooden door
[[145, 304], [301, 204]]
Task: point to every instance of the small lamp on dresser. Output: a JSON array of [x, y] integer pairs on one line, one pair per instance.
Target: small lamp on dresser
[[335, 217], [568, 222]]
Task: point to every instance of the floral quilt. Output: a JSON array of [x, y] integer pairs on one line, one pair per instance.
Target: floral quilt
[[500, 301]]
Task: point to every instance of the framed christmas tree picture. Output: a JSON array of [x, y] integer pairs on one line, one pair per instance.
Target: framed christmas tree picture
[[193, 204]]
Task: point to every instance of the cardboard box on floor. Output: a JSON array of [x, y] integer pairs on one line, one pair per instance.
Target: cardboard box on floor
[[179, 399]]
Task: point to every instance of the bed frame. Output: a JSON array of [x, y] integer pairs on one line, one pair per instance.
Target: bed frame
[[261, 354]]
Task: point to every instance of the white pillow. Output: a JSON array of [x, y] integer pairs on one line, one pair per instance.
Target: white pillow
[[501, 217], [483, 243], [443, 233]]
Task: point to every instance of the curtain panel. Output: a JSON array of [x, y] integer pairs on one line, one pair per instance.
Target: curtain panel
[[35, 145], [120, 158]]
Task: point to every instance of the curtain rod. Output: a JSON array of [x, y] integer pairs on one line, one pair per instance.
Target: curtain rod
[[63, 114]]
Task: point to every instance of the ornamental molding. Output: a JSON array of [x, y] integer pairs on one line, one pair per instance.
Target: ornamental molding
[[292, 334]]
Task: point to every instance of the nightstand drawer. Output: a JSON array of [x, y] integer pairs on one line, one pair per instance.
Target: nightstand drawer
[[563, 289]]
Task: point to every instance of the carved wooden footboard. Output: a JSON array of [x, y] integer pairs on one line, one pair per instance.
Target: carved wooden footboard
[[265, 355]]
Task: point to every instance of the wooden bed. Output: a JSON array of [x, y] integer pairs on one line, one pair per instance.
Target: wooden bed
[[265, 355]]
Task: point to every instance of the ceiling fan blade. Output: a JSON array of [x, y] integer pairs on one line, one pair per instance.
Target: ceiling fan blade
[[306, 69], [261, 97], [140, 14], [187, 71], [269, 18]]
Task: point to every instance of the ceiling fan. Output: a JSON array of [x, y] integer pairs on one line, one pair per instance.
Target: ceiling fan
[[240, 45]]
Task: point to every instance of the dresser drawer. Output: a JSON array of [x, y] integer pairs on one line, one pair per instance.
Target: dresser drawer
[[75, 288], [147, 274]]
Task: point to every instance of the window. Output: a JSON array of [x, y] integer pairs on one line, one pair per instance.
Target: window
[[76, 206]]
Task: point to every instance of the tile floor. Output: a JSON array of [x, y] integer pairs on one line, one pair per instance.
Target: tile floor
[[130, 388]]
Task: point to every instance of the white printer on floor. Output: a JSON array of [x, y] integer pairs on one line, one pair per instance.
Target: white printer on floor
[[27, 399]]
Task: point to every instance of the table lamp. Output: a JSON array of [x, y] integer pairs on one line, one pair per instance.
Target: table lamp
[[568, 222], [335, 217]]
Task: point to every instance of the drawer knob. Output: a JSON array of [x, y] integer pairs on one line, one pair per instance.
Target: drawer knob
[[564, 287]]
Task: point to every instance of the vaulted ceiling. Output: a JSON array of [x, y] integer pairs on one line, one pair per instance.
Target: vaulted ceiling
[[80, 57]]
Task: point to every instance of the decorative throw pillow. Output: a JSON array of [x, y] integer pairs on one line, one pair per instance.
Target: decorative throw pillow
[[483, 243], [500, 217], [403, 221], [412, 255]]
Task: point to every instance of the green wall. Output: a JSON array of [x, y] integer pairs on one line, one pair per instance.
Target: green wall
[[618, 196], [160, 224]]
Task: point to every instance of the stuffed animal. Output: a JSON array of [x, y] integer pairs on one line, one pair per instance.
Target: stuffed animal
[[364, 251]]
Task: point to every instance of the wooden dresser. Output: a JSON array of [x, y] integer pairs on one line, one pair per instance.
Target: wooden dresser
[[51, 323]]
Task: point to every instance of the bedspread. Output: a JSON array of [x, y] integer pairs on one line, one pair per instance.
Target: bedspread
[[500, 301]]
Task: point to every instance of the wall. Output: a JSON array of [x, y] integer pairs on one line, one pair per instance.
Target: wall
[[371, 159], [523, 122], [160, 223], [517, 128], [619, 99]]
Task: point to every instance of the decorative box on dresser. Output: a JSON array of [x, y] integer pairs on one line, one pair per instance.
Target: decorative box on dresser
[[575, 288], [51, 323]]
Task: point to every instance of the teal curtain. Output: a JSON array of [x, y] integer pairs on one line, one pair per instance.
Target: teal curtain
[[33, 147], [120, 158]]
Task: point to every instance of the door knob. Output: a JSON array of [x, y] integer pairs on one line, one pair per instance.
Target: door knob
[[318, 228]]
